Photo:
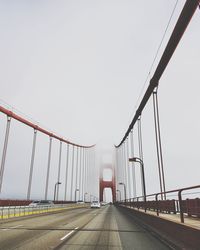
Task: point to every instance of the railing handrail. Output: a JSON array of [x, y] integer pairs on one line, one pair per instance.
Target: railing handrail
[[145, 202], [167, 192]]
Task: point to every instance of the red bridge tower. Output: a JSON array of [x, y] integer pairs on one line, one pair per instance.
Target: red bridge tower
[[107, 184]]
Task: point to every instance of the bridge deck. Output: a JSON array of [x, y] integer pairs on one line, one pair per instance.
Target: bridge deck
[[106, 228]]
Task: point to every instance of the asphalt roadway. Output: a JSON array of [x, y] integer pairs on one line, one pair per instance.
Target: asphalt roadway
[[84, 228]]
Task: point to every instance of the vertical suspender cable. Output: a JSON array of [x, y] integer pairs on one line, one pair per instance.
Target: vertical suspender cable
[[32, 164], [83, 176], [133, 165], [77, 161], [48, 168], [80, 173], [59, 167], [3, 160], [140, 139], [160, 146], [124, 163], [140, 147], [89, 172], [72, 173], [85, 160], [128, 170], [158, 143], [77, 172], [117, 166], [66, 172]]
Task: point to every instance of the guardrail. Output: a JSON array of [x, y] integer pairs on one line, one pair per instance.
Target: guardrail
[[8, 202], [7, 212], [189, 206]]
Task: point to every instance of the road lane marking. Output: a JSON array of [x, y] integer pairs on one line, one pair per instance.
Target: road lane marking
[[6, 229], [67, 235]]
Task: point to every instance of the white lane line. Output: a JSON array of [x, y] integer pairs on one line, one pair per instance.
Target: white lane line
[[10, 228], [67, 235]]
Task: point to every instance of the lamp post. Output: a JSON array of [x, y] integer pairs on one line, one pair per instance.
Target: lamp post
[[136, 159], [119, 194], [56, 184], [121, 183], [85, 196], [76, 190]]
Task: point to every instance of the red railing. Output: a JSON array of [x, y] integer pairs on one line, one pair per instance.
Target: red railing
[[190, 207], [8, 203]]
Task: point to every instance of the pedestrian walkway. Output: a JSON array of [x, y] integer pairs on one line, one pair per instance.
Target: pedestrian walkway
[[193, 222]]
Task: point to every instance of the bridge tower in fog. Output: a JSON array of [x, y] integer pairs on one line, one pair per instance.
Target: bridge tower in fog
[[107, 184]]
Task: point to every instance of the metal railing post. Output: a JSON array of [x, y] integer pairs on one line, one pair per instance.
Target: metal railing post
[[157, 205], [181, 206]]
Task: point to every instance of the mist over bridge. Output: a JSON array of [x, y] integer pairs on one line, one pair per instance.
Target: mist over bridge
[[68, 173]]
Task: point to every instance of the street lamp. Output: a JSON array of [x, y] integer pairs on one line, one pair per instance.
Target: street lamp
[[119, 194], [136, 159], [76, 190], [85, 196], [57, 183], [121, 183]]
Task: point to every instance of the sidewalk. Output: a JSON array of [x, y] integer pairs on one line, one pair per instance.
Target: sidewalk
[[188, 221]]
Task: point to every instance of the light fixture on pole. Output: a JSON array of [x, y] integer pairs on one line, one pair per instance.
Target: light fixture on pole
[[136, 159], [56, 184]]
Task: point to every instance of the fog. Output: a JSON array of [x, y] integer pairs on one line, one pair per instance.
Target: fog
[[79, 69]]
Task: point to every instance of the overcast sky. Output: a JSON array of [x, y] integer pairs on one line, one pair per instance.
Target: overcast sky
[[79, 67]]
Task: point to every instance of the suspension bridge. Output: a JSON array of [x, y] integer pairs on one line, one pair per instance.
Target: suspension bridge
[[72, 179]]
